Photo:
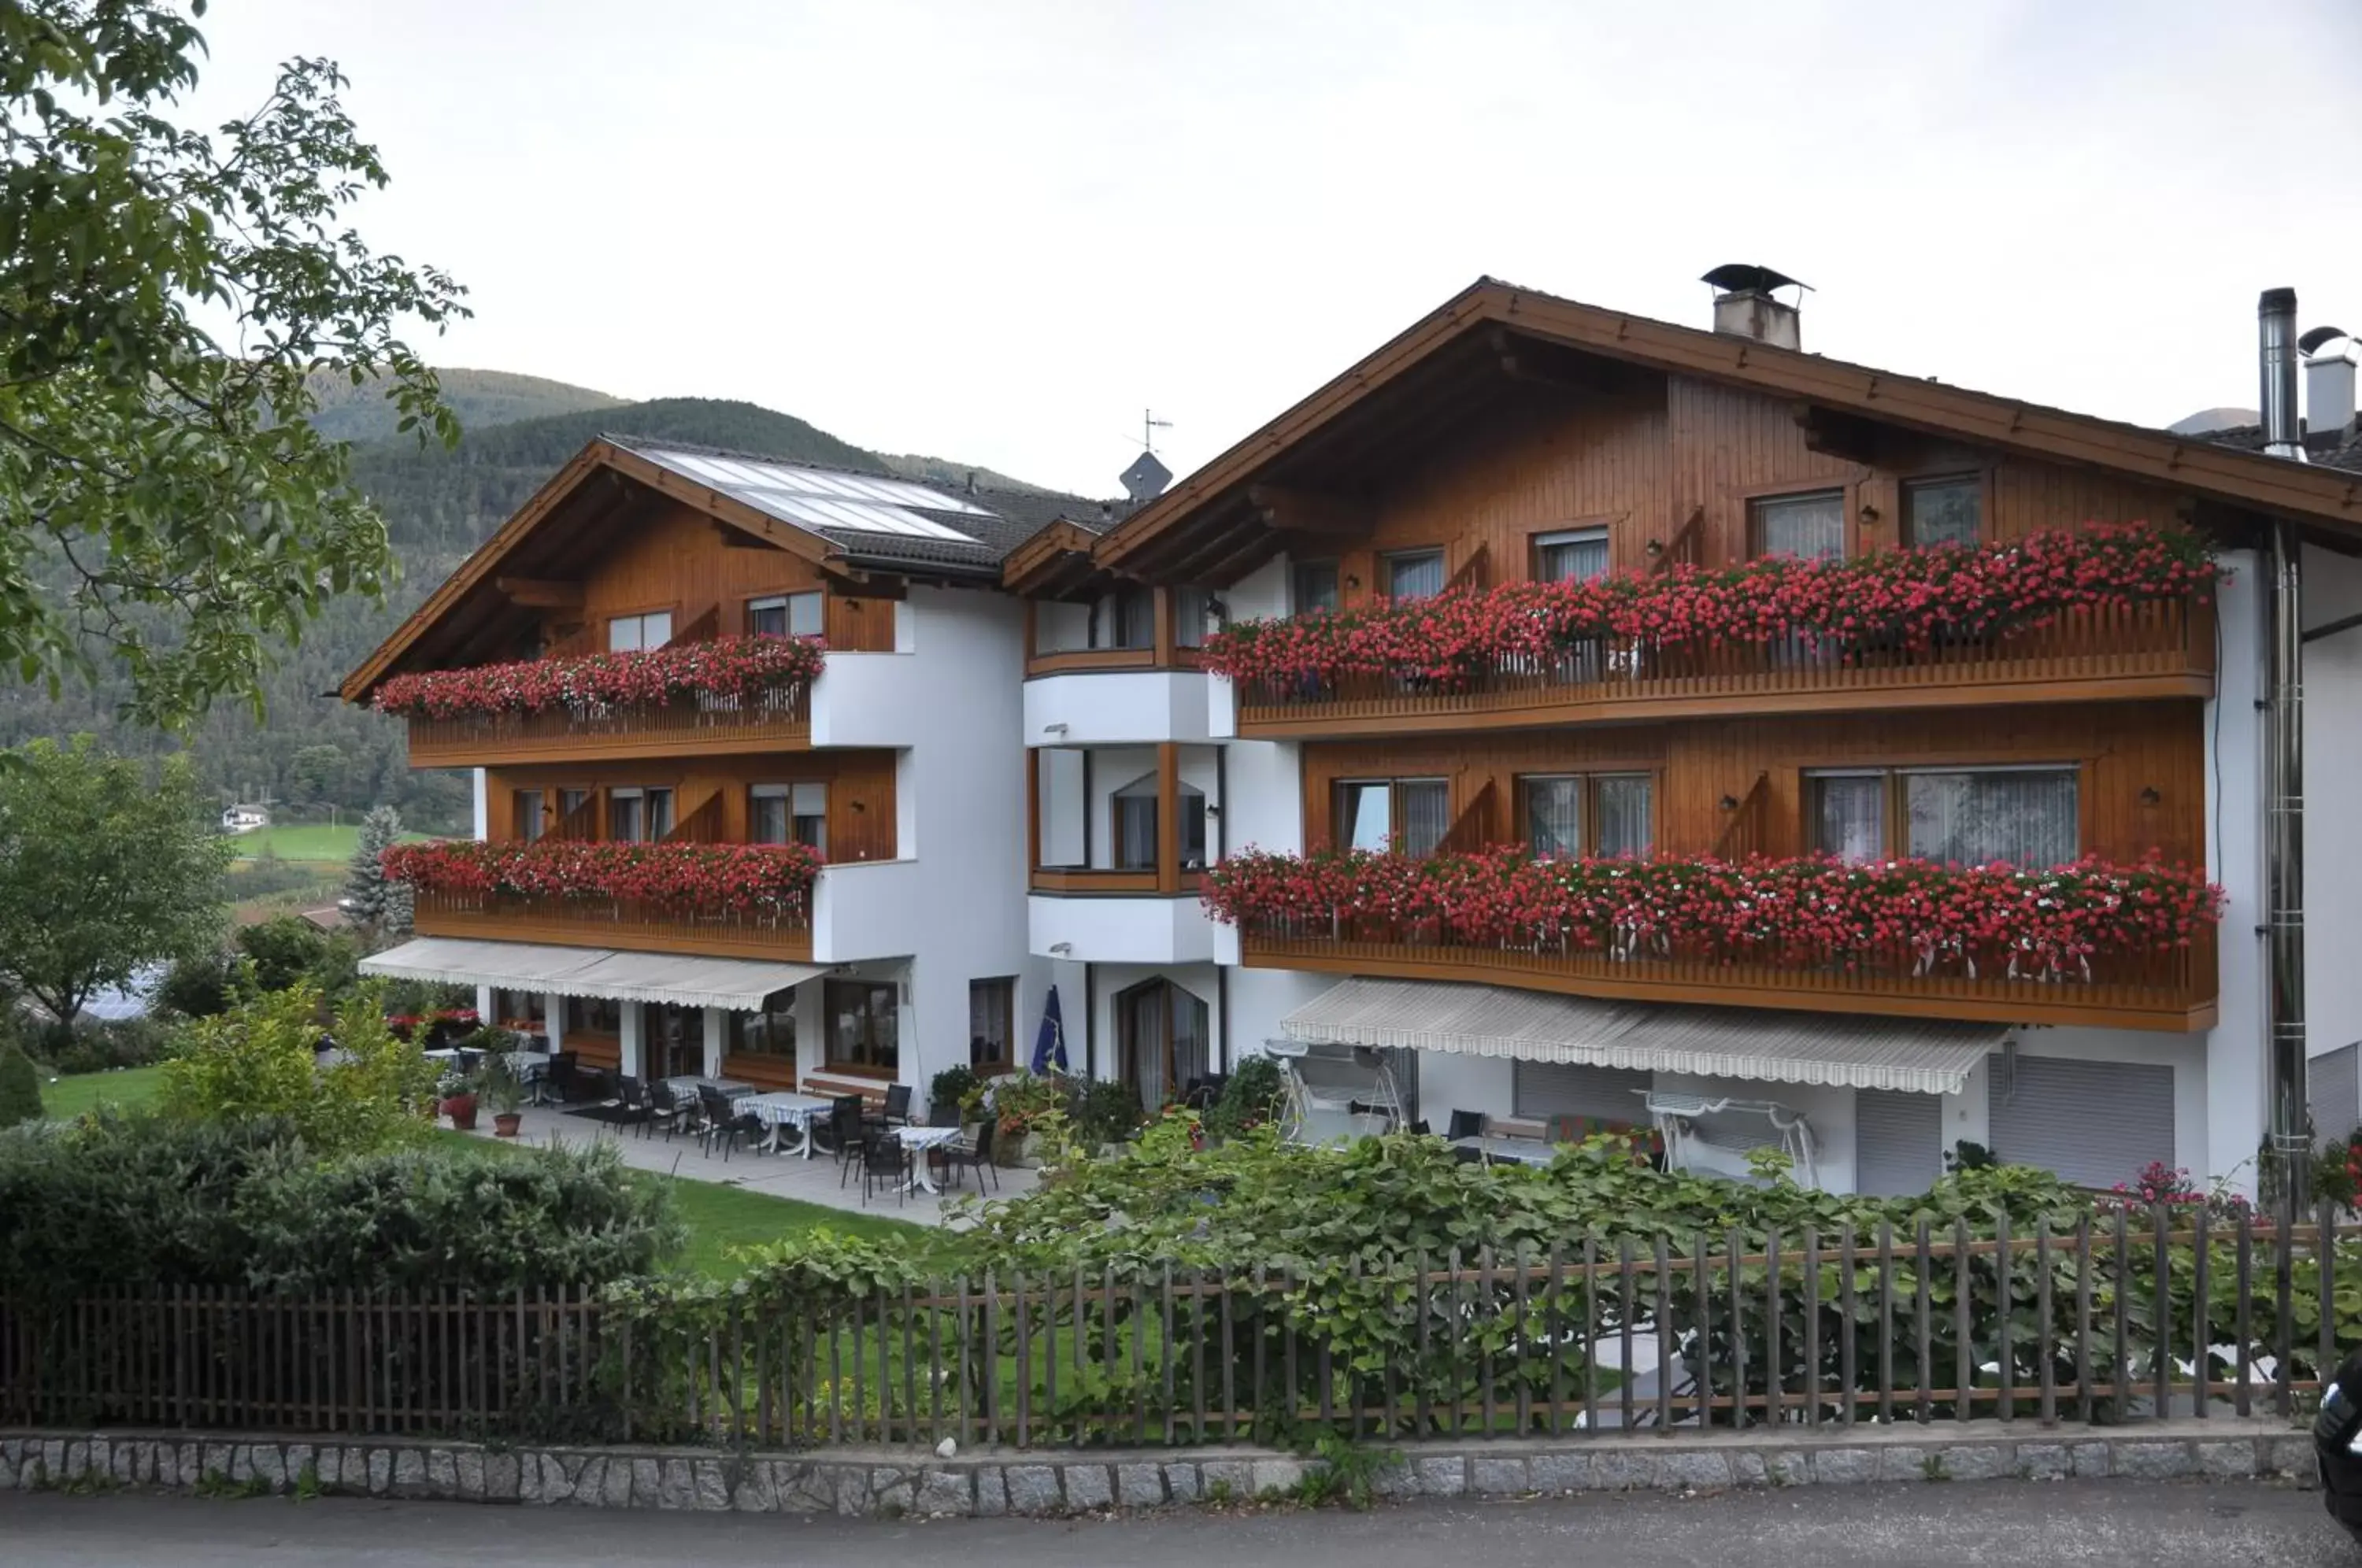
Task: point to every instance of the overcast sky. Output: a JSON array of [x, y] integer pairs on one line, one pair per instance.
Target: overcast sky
[[995, 231]]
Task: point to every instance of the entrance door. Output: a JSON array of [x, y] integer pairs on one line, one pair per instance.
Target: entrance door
[[674, 1041], [1163, 1035]]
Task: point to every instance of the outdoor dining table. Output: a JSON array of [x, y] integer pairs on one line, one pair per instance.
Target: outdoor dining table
[[783, 1111], [690, 1084], [1522, 1150], [919, 1140]]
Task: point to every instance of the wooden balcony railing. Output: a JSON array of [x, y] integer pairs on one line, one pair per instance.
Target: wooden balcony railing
[[2171, 991], [2163, 649], [606, 922], [1080, 881], [779, 719]]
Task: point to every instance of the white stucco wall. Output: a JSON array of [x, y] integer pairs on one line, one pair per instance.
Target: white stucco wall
[[1116, 707], [953, 902], [1111, 930], [2229, 1114], [2332, 829]]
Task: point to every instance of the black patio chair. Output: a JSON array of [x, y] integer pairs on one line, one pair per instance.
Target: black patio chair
[[739, 1127], [1469, 1156], [1419, 1127], [885, 1160], [633, 1107], [898, 1106], [562, 1077], [976, 1156], [852, 1132], [1465, 1124], [713, 1116]]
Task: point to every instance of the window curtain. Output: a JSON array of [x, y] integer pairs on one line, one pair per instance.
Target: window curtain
[[1135, 826], [1944, 512], [770, 810], [1554, 816], [2027, 818], [1192, 1040], [1192, 827], [1427, 815], [1573, 557], [1624, 813], [1415, 576], [1811, 528], [1146, 1022], [1851, 817]]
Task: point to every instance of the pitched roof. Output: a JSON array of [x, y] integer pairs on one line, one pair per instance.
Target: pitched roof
[[1442, 361], [2327, 449], [845, 518]]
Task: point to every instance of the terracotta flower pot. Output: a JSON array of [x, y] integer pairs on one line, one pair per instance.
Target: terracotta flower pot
[[506, 1123], [461, 1109]]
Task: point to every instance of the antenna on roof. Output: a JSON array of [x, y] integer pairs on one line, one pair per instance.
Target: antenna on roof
[[1149, 425]]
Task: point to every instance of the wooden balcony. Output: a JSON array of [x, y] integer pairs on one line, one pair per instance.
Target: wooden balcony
[[2158, 649], [2172, 991], [779, 721], [599, 922], [1068, 881]]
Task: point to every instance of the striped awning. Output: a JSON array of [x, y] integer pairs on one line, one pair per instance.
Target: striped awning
[[682, 979], [1847, 1050]]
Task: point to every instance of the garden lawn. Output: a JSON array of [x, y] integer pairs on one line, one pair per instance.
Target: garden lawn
[[64, 1099], [313, 841]]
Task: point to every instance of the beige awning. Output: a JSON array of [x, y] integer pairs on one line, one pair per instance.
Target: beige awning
[[685, 980], [1857, 1051]]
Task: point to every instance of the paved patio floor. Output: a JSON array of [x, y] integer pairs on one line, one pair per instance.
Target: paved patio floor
[[781, 1176]]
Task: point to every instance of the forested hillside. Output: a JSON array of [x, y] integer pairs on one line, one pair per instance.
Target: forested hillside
[[307, 748]]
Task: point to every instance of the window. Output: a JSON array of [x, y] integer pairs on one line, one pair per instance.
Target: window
[[638, 816], [1162, 1041], [571, 804], [1609, 815], [631, 634], [785, 615], [1412, 815], [1124, 618], [1810, 528], [594, 1015], [527, 808], [770, 1032], [525, 1011], [1194, 613], [1576, 555], [1414, 574], [864, 1024], [1135, 824], [1944, 511], [1848, 816], [2023, 816], [991, 1025], [790, 813], [1312, 585]]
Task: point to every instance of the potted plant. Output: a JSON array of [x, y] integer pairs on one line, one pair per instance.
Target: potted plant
[[457, 1099], [503, 1090], [948, 1094]]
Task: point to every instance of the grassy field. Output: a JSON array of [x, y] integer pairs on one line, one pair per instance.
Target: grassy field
[[316, 841], [719, 1218]]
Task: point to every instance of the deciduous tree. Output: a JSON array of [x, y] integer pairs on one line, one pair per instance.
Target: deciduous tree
[[105, 868], [172, 304]]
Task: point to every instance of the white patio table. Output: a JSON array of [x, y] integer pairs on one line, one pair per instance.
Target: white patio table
[[919, 1140], [784, 1110]]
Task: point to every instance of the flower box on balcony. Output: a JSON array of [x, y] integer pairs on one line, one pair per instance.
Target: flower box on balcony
[[727, 671], [2105, 601], [759, 881]]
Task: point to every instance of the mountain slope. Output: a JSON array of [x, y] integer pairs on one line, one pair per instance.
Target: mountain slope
[[439, 506], [481, 398]]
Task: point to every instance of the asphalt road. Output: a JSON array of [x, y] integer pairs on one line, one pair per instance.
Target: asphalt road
[[2016, 1525]]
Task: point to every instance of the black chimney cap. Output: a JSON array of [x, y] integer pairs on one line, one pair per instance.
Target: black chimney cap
[[2274, 302], [1743, 277], [2320, 337]]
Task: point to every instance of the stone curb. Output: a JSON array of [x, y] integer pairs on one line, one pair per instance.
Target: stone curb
[[893, 1483]]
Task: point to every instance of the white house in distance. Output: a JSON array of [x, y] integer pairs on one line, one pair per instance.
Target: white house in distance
[[1019, 772]]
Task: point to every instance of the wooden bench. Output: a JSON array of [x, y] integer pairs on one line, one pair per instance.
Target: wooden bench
[[825, 1085]]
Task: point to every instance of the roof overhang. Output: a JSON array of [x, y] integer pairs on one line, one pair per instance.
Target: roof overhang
[[1842, 1050], [1211, 512], [739, 983], [1054, 563]]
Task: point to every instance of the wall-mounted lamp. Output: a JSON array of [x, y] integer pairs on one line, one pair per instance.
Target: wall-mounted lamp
[[1729, 802], [2149, 797], [860, 805], [1213, 810], [1352, 581], [1655, 547], [1053, 729], [1870, 513], [1057, 948]]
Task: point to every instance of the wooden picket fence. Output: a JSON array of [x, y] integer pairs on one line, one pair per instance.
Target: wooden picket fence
[[2121, 1317]]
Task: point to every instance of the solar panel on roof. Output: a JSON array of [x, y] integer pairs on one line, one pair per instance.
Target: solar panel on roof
[[814, 500]]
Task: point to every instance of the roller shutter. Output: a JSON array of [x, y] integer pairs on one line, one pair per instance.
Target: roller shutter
[[1543, 1089], [2095, 1123], [1898, 1142]]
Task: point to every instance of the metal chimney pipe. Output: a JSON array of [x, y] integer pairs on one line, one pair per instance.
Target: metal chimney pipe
[[2276, 331], [2284, 867]]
